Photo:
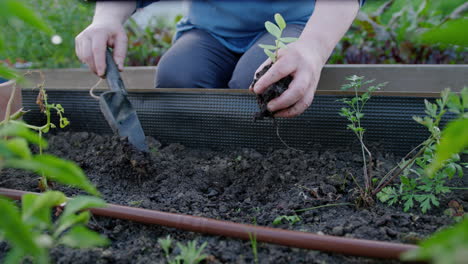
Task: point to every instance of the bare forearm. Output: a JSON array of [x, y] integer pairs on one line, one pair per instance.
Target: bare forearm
[[327, 25], [118, 11]]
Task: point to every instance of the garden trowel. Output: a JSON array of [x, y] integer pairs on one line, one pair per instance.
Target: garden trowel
[[118, 110]]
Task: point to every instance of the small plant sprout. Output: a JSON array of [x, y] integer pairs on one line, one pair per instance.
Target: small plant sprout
[[291, 219], [189, 254], [354, 113], [166, 244], [280, 42], [254, 246]]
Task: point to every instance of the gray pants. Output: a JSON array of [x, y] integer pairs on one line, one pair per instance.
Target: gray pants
[[198, 60]]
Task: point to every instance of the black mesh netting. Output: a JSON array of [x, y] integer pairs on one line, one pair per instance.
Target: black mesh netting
[[216, 119]]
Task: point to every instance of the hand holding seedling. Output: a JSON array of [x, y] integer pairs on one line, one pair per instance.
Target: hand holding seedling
[[305, 58]]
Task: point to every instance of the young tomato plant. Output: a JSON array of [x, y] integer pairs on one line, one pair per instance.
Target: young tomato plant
[[280, 42], [421, 182], [32, 232], [354, 113], [46, 108]]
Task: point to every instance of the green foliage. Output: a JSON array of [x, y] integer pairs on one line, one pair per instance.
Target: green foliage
[[448, 246], [276, 30], [32, 232], [291, 219], [354, 114], [447, 33], [15, 153], [147, 45], [189, 254], [438, 156], [32, 48], [12, 11], [389, 33], [254, 247], [454, 139]]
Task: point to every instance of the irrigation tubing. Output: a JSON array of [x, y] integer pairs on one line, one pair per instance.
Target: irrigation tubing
[[341, 245]]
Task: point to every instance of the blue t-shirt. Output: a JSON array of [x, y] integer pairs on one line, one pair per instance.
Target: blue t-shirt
[[237, 24]]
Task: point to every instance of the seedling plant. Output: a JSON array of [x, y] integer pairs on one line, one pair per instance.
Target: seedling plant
[[189, 254], [280, 42], [354, 113]]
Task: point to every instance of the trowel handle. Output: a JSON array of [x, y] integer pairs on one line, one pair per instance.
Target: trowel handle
[[114, 81]]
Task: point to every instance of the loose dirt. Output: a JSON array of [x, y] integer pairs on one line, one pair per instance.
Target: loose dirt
[[240, 185]]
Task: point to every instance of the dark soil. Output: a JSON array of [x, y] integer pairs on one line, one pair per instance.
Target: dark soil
[[273, 91], [240, 185]]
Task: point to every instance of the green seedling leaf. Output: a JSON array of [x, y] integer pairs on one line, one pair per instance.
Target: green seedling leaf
[[446, 246], [24, 13], [273, 29], [16, 232], [81, 237], [56, 169], [68, 221], [454, 140], [19, 147], [280, 21], [80, 203], [166, 244], [268, 47], [292, 219], [288, 39], [37, 208], [20, 130], [282, 45], [270, 54], [68, 218], [191, 253]]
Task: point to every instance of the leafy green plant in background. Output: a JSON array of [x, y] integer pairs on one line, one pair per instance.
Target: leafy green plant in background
[[389, 33], [147, 45], [417, 187], [448, 246], [189, 254], [13, 11], [26, 44], [280, 42], [354, 114]]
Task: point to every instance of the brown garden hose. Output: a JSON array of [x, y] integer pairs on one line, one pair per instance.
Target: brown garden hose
[[341, 245]]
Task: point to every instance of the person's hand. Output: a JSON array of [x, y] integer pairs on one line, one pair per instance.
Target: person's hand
[[304, 64], [91, 44]]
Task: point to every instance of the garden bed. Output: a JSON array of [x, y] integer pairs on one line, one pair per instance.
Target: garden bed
[[240, 185]]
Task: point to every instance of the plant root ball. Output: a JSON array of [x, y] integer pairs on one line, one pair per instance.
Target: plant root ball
[[273, 91]]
